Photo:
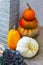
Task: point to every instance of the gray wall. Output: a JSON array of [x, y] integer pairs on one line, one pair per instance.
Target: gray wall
[[37, 5]]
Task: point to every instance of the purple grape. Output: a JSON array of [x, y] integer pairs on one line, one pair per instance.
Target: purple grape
[[12, 57], [17, 52]]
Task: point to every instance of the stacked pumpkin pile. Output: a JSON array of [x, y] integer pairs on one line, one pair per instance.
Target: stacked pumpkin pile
[[28, 24]]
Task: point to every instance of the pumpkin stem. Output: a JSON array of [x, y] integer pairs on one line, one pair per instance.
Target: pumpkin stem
[[28, 5], [14, 27]]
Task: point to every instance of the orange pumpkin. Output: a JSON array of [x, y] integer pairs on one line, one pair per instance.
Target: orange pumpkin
[[28, 13], [28, 32], [28, 24], [13, 37]]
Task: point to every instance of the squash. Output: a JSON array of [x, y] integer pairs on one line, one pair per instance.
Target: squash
[[28, 13], [28, 24], [27, 47], [28, 32], [12, 39]]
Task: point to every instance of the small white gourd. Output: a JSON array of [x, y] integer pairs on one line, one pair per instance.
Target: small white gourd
[[27, 46]]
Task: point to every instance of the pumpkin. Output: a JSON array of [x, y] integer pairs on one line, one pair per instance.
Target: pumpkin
[[28, 24], [12, 39], [28, 32], [28, 13], [27, 47]]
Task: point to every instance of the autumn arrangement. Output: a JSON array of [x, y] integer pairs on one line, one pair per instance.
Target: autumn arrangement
[[20, 41]]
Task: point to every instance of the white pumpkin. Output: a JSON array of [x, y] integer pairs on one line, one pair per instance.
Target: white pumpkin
[[28, 47]]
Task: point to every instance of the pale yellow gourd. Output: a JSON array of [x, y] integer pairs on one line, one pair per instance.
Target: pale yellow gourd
[[27, 46]]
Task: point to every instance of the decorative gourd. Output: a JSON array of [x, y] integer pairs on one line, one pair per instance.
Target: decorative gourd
[[28, 13], [28, 32], [28, 24], [28, 47], [13, 37]]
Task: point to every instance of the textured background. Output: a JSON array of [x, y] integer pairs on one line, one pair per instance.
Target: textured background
[[37, 5], [9, 15]]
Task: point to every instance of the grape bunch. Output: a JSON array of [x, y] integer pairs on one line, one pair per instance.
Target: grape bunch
[[12, 58]]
